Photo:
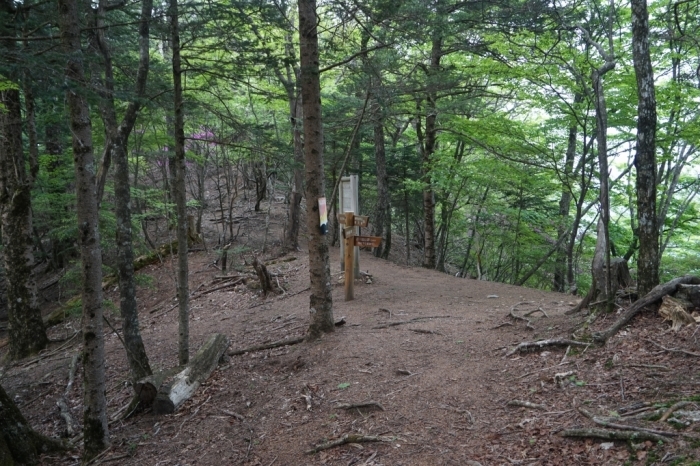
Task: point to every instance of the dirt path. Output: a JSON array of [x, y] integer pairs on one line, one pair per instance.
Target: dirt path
[[426, 348]]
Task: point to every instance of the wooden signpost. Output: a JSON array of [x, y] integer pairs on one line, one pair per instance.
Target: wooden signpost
[[349, 221]]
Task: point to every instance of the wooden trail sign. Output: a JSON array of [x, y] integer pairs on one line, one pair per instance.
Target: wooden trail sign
[[350, 241], [359, 220], [367, 241]]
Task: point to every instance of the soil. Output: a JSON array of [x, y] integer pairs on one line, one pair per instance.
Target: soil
[[425, 351]]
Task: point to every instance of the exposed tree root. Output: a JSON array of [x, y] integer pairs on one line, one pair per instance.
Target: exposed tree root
[[652, 297], [274, 344], [349, 438], [537, 345]]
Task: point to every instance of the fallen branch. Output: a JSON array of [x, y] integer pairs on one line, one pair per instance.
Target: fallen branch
[[366, 404], [652, 297], [274, 344], [681, 404], [614, 425], [613, 434], [429, 332], [526, 404], [410, 321], [61, 403], [349, 438], [673, 350], [528, 345]]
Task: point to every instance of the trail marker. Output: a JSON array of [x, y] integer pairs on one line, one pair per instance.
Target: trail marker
[[352, 241]]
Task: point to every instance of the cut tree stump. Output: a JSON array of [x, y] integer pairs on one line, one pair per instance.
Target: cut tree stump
[[171, 396], [263, 276]]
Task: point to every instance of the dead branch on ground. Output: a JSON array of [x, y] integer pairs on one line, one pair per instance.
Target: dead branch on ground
[[652, 297], [366, 404], [537, 345], [613, 434], [673, 409], [614, 425], [526, 404], [410, 321], [349, 438], [274, 344], [673, 350]]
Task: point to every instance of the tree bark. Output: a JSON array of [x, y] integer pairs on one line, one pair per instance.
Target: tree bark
[[96, 434], [25, 326], [645, 157], [179, 190], [321, 301]]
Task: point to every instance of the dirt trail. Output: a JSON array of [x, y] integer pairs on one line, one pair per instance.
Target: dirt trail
[[440, 379]]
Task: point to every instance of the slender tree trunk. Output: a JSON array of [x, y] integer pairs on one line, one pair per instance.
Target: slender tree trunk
[[560, 266], [429, 148], [321, 302], [180, 192], [25, 326], [136, 352], [381, 225], [645, 159], [95, 430], [602, 129], [291, 238]]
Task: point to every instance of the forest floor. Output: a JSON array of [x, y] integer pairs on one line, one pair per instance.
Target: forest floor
[[425, 352]]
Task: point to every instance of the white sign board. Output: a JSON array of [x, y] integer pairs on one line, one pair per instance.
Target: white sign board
[[349, 203]]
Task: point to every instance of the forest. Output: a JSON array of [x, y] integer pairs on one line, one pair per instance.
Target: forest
[[546, 144]]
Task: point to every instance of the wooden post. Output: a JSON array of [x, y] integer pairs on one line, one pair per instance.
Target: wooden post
[[348, 233]]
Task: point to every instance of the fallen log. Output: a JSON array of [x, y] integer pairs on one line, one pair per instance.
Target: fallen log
[[655, 295], [171, 396], [274, 344]]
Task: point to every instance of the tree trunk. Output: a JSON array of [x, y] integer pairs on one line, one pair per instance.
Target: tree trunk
[[96, 434], [428, 151], [645, 158], [560, 266], [602, 130], [291, 238], [321, 301], [23, 444], [116, 149], [26, 328], [381, 225], [180, 191]]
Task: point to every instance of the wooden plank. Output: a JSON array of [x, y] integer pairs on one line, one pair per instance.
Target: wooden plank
[[349, 260], [341, 219], [348, 232], [368, 241]]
